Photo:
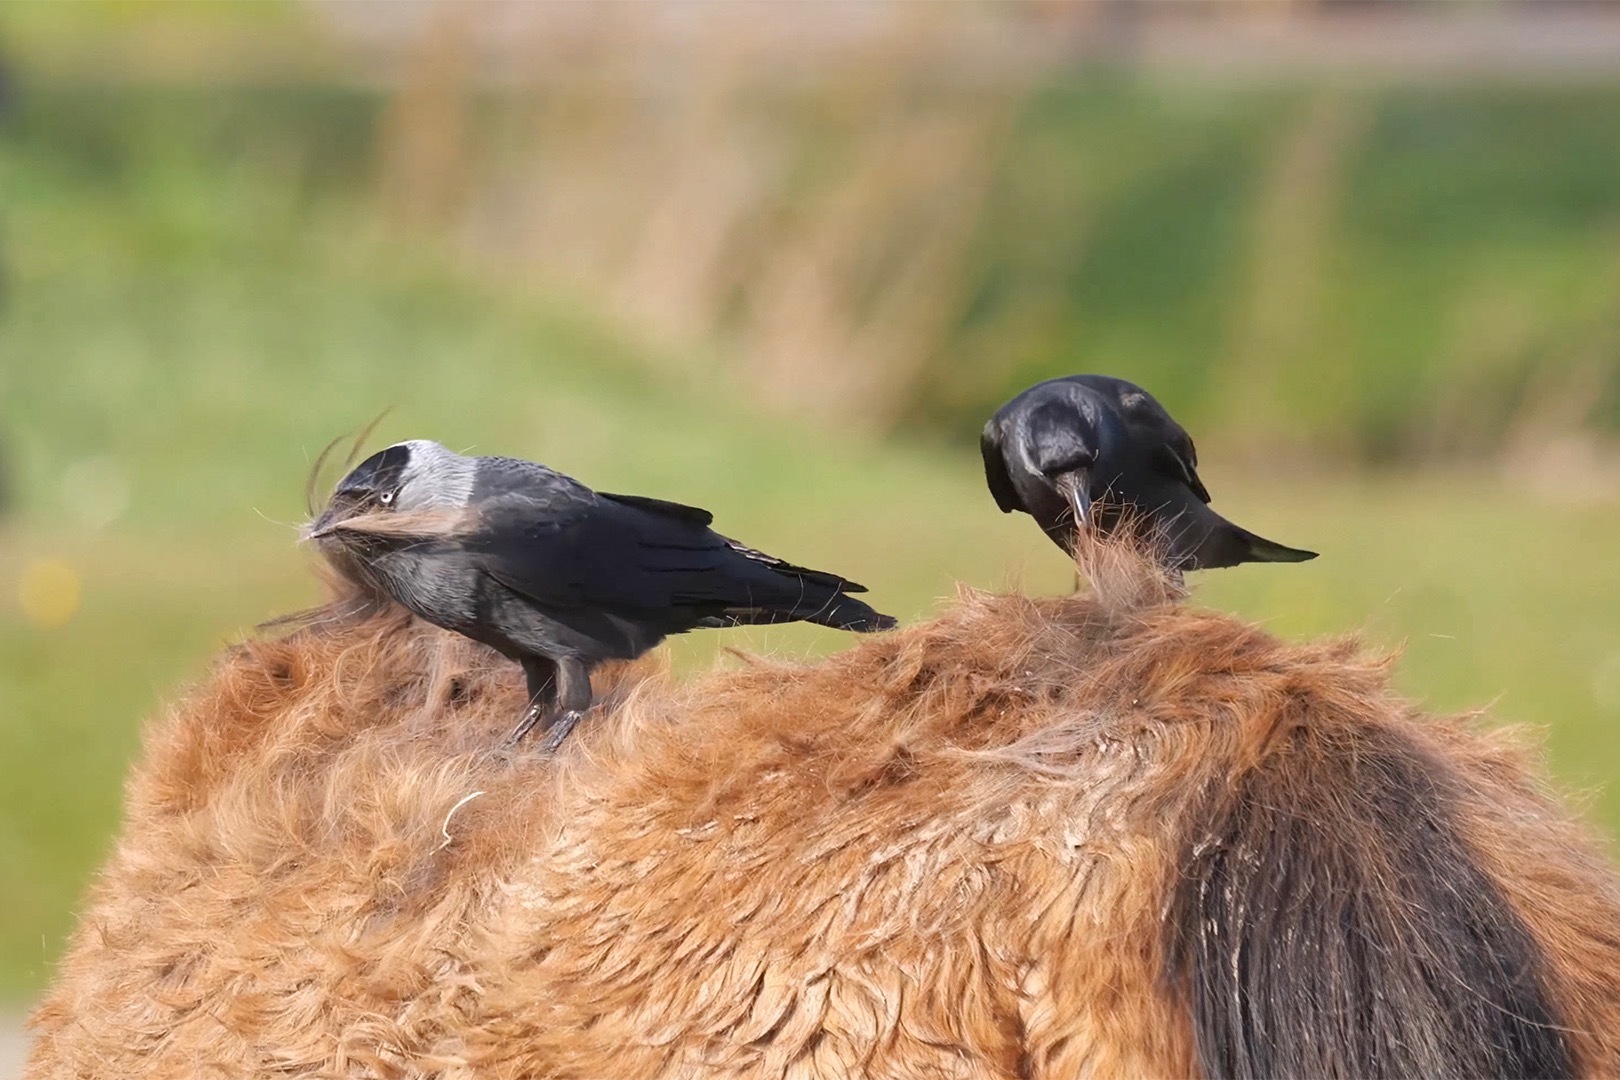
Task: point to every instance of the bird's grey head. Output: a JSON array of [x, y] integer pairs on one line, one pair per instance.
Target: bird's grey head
[[419, 475]]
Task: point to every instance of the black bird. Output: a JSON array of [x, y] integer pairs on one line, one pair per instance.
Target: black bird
[[554, 575], [1064, 444]]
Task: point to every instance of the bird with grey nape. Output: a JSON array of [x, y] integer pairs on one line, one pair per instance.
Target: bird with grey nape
[[1100, 452], [553, 574]]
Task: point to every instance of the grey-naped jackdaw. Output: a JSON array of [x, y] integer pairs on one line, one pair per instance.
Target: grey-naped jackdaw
[[553, 574]]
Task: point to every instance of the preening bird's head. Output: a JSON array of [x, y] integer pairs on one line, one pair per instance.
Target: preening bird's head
[[1048, 442], [1065, 442], [397, 490]]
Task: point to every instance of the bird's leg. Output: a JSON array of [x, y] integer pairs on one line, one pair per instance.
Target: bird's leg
[[542, 680], [573, 698]]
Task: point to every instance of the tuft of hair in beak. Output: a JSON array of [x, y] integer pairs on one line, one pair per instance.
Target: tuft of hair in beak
[[346, 525]]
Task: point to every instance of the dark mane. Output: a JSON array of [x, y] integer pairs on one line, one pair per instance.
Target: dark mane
[[1330, 920]]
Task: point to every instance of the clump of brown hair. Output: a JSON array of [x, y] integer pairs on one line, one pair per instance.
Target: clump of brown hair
[[1105, 834]]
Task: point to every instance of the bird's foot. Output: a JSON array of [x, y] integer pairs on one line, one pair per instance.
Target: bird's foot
[[526, 725], [559, 729]]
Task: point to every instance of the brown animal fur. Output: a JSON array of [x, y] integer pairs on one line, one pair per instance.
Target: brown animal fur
[[951, 851]]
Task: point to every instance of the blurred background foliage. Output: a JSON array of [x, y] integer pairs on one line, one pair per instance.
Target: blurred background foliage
[[782, 260]]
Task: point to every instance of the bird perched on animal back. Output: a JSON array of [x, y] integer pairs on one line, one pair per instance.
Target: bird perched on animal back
[[1067, 445], [552, 574]]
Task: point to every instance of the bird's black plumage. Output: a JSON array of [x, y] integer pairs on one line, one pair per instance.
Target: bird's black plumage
[[554, 574], [1066, 444]]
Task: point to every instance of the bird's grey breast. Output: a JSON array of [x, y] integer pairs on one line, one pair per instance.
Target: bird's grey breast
[[436, 580]]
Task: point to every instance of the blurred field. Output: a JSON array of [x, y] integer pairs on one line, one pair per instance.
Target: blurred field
[[202, 286]]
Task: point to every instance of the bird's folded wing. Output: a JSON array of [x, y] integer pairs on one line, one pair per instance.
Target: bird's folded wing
[[1176, 467], [995, 469], [615, 556], [797, 573], [695, 514]]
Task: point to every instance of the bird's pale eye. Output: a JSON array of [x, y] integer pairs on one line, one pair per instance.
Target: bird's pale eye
[[386, 498]]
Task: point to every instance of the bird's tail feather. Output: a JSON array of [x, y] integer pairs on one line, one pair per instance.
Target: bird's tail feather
[[833, 609], [1263, 550], [848, 613]]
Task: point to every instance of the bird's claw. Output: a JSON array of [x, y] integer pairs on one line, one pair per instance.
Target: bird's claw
[[526, 725], [559, 731], [556, 731]]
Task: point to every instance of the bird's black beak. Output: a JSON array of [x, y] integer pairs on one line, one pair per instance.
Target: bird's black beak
[[1076, 487], [323, 525]]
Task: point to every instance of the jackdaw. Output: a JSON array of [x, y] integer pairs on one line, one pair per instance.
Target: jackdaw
[[552, 574], [1065, 444]]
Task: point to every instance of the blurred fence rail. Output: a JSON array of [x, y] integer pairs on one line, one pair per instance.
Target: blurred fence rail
[[808, 191], [796, 187], [1377, 231]]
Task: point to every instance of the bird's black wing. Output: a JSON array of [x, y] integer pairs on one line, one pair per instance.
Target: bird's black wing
[[628, 556], [995, 468], [695, 514], [500, 476], [782, 566], [1180, 465], [698, 516], [509, 483], [1172, 454]]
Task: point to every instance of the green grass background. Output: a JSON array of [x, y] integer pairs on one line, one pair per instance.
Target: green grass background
[[198, 296]]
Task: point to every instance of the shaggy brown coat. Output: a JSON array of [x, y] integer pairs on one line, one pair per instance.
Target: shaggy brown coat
[[1100, 835]]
